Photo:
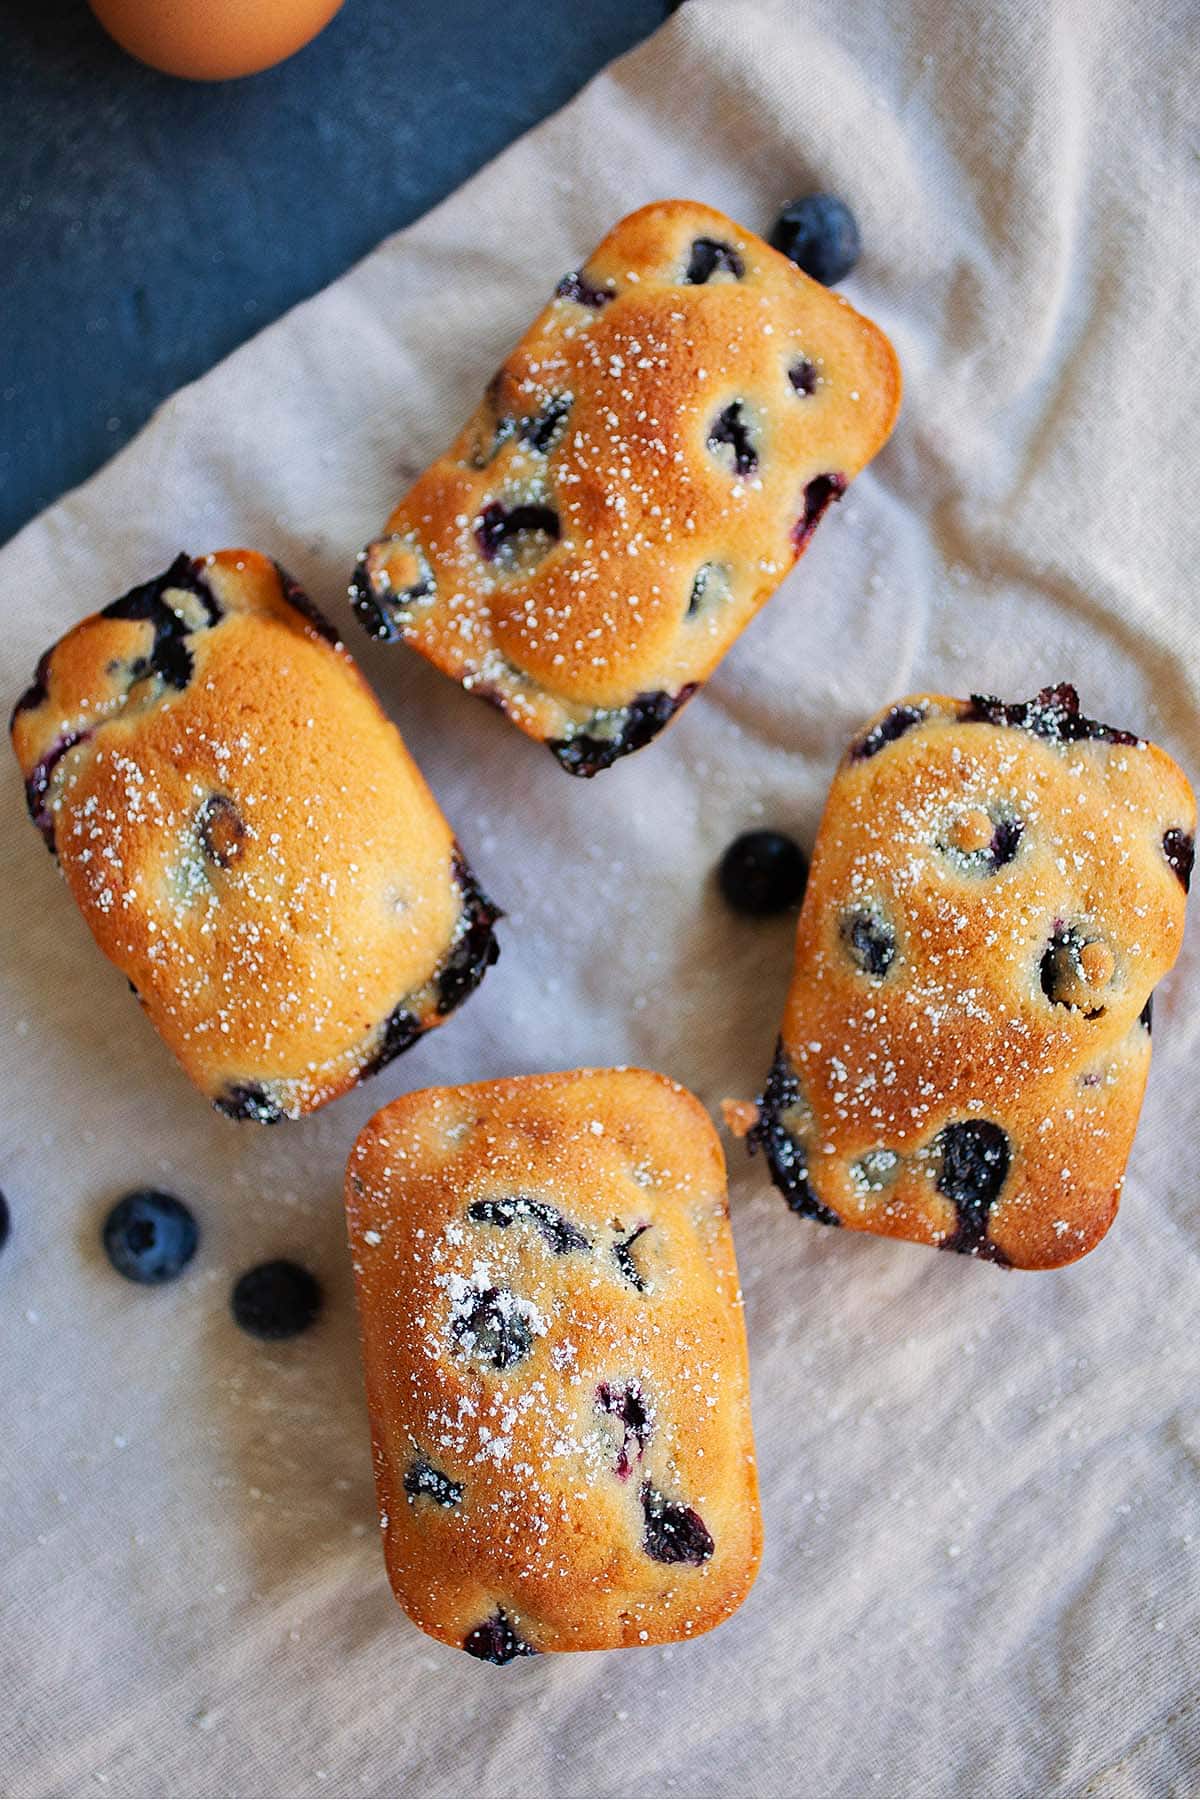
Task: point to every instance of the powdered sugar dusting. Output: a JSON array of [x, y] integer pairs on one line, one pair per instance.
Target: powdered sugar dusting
[[520, 1361], [964, 1045], [549, 561]]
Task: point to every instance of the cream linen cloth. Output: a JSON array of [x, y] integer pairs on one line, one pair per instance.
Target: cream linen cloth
[[980, 1488]]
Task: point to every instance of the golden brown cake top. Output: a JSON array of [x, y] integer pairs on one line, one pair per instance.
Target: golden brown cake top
[[243, 830], [556, 1362], [995, 892], [645, 469]]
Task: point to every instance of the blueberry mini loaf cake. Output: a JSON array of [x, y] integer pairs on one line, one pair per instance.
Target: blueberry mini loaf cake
[[247, 837], [644, 470], [555, 1363], [995, 892]]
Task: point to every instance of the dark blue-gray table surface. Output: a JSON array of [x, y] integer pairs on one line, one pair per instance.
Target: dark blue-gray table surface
[[149, 225]]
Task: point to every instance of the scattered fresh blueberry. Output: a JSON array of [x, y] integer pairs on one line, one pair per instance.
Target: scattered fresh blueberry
[[623, 1257], [1179, 848], [730, 430], [276, 1300], [707, 256], [763, 872], [674, 1533], [422, 1479], [5, 1221], [869, 939], [149, 1236], [558, 1231], [495, 1641], [1146, 1016], [975, 1158], [819, 234], [495, 1329]]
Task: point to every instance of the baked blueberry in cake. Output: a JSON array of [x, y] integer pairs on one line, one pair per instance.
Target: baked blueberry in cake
[[643, 472], [995, 893], [247, 836], [555, 1363]]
